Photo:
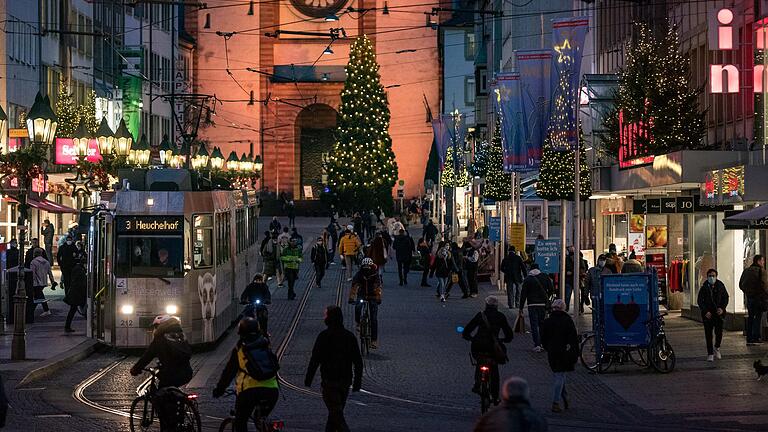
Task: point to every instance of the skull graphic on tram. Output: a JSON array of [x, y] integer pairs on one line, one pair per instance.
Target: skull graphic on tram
[[206, 289]]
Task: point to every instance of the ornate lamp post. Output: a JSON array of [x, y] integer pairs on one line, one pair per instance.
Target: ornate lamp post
[[81, 140], [122, 140], [41, 126], [233, 163], [140, 152], [217, 159], [166, 151], [105, 137]]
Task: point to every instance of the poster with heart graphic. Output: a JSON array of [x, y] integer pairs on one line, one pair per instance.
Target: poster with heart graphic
[[626, 309]]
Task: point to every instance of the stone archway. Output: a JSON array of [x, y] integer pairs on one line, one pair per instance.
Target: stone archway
[[315, 126]]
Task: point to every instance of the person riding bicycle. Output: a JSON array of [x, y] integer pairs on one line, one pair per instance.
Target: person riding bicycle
[[256, 296], [485, 341], [254, 368], [366, 285]]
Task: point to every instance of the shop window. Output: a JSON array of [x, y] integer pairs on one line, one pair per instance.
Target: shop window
[[202, 248], [469, 45], [705, 248], [469, 90], [142, 256]]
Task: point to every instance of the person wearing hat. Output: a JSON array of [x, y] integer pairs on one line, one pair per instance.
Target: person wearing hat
[[515, 412], [561, 341], [366, 285], [349, 246], [483, 331]]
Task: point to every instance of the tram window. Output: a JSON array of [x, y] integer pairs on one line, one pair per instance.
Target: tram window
[[202, 249], [142, 256]]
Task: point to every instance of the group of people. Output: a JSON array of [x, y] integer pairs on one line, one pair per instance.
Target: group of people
[[282, 253]]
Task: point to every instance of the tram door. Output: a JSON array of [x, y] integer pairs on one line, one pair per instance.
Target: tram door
[[100, 290]]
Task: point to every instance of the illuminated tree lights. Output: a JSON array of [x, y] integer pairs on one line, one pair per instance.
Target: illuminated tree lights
[[361, 168], [556, 175], [66, 111], [87, 112], [654, 87], [489, 164], [454, 178]]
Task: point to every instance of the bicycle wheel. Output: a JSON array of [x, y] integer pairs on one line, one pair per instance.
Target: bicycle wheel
[[143, 415], [485, 397], [661, 355], [365, 338], [588, 353], [638, 357], [606, 360], [191, 421], [227, 425]]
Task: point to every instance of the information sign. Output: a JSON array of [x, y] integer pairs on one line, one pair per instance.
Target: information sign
[[548, 255]]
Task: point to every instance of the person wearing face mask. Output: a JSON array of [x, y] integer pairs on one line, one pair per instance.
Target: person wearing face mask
[[66, 257], [712, 300], [592, 287]]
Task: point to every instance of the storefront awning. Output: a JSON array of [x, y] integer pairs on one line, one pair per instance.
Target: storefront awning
[[756, 218], [46, 205]]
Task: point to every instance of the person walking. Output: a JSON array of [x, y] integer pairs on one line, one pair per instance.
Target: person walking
[[275, 226], [377, 251], [298, 237], [429, 232], [712, 300], [66, 259], [291, 259], [75, 295], [283, 238], [12, 257], [444, 267], [349, 246], [333, 230], [404, 248], [754, 283], [319, 257], [41, 272], [425, 252], [536, 289], [515, 413], [471, 256], [337, 354], [514, 272], [458, 268], [561, 341], [47, 231], [291, 210], [270, 256]]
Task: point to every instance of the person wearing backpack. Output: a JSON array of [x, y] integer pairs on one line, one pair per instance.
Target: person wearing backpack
[[536, 289], [253, 366], [471, 263]]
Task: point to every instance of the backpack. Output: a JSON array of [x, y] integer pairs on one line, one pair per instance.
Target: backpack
[[260, 362], [472, 255]]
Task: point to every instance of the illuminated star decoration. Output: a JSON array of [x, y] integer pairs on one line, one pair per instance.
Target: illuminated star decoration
[[561, 55], [79, 184]]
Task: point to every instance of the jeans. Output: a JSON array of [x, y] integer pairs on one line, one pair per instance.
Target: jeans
[[335, 397], [373, 309], [402, 269], [568, 294], [247, 401], [755, 320], [291, 275], [38, 293], [319, 273], [716, 324], [442, 285], [558, 387], [471, 270], [70, 316], [348, 259], [513, 294], [536, 317]]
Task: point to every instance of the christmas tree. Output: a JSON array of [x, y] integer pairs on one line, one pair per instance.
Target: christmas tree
[[498, 184], [654, 87], [66, 112], [556, 175], [361, 168], [87, 112], [454, 178]]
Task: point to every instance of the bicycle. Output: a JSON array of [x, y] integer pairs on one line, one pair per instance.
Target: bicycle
[[484, 389], [258, 310], [145, 403], [365, 328], [262, 423], [660, 353]]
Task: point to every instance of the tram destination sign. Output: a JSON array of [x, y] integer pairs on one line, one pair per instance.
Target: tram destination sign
[[150, 224]]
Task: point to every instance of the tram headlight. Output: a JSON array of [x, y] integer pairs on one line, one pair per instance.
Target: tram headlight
[[171, 309], [126, 309]]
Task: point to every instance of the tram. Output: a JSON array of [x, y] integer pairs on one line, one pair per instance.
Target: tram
[[185, 253]]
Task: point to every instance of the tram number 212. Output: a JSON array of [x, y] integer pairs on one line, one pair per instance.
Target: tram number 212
[[126, 323]]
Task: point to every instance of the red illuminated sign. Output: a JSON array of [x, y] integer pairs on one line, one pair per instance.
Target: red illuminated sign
[[633, 140], [66, 153]]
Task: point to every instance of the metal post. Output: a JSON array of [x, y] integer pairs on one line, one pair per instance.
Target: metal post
[[545, 220], [563, 233], [19, 342], [576, 236]]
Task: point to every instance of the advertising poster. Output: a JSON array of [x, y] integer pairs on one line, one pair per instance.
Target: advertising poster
[[637, 223], [637, 244], [548, 255], [494, 228], [657, 236], [625, 309], [517, 236]]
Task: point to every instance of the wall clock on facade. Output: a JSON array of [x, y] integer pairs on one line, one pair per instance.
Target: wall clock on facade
[[318, 8]]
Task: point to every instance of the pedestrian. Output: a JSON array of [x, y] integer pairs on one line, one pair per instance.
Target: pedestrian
[[404, 248], [333, 230], [291, 210], [515, 413], [444, 267], [592, 284], [41, 272], [425, 253], [76, 294], [270, 256], [560, 340], [367, 285], [337, 354], [458, 269], [569, 268], [29, 255], [611, 265], [514, 272], [429, 232], [357, 224], [536, 289], [712, 300], [296, 236], [319, 257], [349, 246], [275, 225], [66, 259], [754, 283], [283, 238], [264, 242], [291, 259], [632, 266], [377, 251], [373, 219], [12, 266], [47, 231], [471, 256]]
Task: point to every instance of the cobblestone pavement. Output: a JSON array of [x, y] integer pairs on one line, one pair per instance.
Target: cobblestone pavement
[[419, 378]]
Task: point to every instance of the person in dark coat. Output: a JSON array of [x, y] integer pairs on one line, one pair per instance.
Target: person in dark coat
[[515, 413], [377, 251], [264, 242], [76, 293], [65, 257], [471, 263], [754, 284], [337, 354], [29, 255], [319, 257], [561, 341], [48, 232], [275, 226], [429, 232], [488, 323], [404, 248], [460, 270], [333, 231], [536, 289], [425, 252], [712, 300], [12, 266], [514, 272], [170, 347]]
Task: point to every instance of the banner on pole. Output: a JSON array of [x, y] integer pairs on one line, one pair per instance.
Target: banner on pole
[[519, 156], [494, 228], [548, 255], [442, 138], [535, 67], [568, 36]]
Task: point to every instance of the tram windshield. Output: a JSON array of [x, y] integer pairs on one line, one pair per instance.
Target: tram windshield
[[145, 256]]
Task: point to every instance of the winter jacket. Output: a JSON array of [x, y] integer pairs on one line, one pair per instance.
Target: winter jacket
[[513, 268], [512, 416], [291, 258], [536, 289], [12, 258], [711, 298], [173, 351], [632, 266], [78, 286], [593, 280], [47, 233], [560, 340], [275, 226], [41, 268], [429, 232], [377, 251], [256, 291], [404, 247], [366, 285], [349, 244], [319, 255], [444, 264], [237, 368], [754, 282], [270, 253], [425, 251], [482, 341], [336, 353], [65, 256]]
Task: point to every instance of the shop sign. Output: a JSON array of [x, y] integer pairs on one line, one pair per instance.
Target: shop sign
[[517, 236], [494, 228], [150, 224], [639, 206], [634, 138], [678, 205], [723, 186], [668, 205], [548, 255], [39, 184], [700, 206], [724, 78], [66, 153], [653, 206], [684, 205]]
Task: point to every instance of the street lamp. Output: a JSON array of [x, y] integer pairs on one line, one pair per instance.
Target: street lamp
[[233, 163], [140, 152], [166, 151], [41, 122], [105, 137], [246, 165], [217, 159], [3, 129], [258, 164], [122, 140], [200, 161], [81, 139]]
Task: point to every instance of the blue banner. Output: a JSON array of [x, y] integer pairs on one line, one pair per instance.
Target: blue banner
[[518, 154], [535, 67], [626, 309], [548, 255], [442, 137], [568, 36], [494, 229]]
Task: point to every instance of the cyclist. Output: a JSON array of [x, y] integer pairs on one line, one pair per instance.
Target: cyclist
[[256, 296], [366, 285], [488, 324], [251, 392]]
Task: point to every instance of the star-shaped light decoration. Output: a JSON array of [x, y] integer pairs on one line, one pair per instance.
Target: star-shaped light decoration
[[562, 56], [80, 184]]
